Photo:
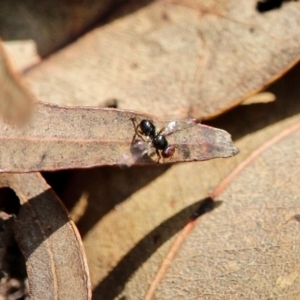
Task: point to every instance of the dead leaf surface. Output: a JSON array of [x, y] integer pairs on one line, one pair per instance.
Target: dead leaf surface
[[64, 138], [182, 58], [15, 99], [263, 97], [49, 240], [129, 218], [248, 247], [22, 53], [50, 23]]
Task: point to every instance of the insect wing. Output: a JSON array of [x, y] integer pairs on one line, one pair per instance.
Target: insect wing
[[178, 125], [137, 150]]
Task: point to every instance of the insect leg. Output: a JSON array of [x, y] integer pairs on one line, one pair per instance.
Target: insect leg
[[136, 130], [161, 130], [159, 156]]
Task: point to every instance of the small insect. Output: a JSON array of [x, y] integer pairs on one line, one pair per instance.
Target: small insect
[[156, 139]]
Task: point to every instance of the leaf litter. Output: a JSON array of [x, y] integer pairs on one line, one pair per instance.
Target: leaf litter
[[82, 137], [249, 238], [196, 58], [55, 268]]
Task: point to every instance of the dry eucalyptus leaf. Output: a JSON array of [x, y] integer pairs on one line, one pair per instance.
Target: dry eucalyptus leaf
[[49, 240], [51, 23], [264, 97], [129, 218], [81, 137], [15, 99], [184, 58], [248, 247], [22, 53]]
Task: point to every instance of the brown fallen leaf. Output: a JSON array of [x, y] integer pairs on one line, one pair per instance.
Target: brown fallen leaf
[[264, 97], [130, 218], [49, 240], [247, 248], [182, 57], [22, 53], [81, 137], [51, 24], [15, 99]]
